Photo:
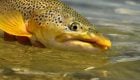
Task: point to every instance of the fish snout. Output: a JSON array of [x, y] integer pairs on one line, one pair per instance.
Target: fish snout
[[100, 41]]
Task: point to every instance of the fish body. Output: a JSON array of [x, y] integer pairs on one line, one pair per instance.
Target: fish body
[[50, 22]]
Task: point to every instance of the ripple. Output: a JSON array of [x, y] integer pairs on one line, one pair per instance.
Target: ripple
[[125, 59], [127, 11], [131, 2]]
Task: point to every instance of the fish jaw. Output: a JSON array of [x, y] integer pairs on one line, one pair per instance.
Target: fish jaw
[[85, 40]]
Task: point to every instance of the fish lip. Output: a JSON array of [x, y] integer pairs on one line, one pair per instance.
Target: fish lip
[[93, 43], [90, 40]]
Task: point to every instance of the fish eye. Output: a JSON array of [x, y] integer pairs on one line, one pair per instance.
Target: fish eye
[[74, 26]]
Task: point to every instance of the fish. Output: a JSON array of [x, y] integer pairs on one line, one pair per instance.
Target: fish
[[50, 23]]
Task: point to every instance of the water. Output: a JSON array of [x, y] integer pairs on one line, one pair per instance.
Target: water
[[117, 19]]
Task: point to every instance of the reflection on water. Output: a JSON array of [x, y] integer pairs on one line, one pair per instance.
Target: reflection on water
[[117, 19]]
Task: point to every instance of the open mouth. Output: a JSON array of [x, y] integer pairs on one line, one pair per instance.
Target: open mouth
[[87, 44], [85, 41], [76, 44], [95, 43]]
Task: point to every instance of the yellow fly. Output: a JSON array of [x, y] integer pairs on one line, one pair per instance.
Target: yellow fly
[[50, 22]]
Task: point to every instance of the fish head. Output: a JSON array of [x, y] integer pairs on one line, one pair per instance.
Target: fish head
[[79, 33], [67, 29]]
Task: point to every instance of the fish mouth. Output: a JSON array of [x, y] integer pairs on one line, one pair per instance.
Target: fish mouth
[[85, 40]]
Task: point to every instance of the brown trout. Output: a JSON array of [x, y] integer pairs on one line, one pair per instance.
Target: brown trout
[[51, 23]]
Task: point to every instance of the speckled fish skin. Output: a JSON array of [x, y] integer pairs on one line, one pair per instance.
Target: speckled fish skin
[[49, 8], [53, 21]]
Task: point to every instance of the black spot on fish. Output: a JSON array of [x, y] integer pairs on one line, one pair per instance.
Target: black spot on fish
[[60, 21]]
